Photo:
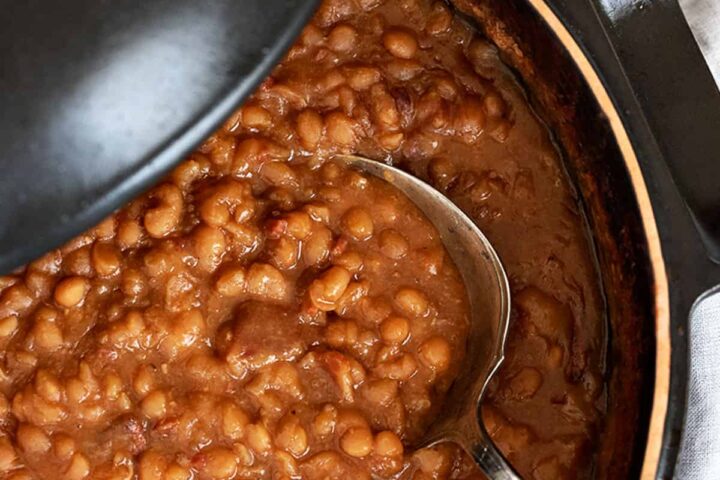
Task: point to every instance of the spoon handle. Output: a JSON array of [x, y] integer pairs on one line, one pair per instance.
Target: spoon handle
[[491, 461]]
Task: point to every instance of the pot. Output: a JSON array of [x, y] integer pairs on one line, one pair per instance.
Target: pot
[[636, 112]]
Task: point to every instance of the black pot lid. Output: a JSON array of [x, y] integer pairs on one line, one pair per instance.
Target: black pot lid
[[100, 98]]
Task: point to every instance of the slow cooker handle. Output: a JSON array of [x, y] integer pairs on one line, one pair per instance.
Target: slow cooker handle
[[679, 98]]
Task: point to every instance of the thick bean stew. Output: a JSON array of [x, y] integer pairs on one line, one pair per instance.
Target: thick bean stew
[[266, 313]]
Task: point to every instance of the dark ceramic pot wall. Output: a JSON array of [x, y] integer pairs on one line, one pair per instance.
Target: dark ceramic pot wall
[[634, 109]]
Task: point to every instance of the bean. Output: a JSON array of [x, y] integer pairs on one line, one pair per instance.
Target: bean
[[442, 172], [391, 141], [341, 130], [112, 386], [266, 281], [470, 118], [39, 283], [381, 392], [284, 252], [324, 422], [152, 465], [316, 249], [220, 148], [21, 474], [440, 19], [412, 301], [278, 174], [173, 472], [311, 35], [258, 438], [49, 263], [341, 333], [326, 290], [162, 220], [358, 223], [385, 111], [134, 282], [210, 245], [299, 224], [219, 463], [310, 127], [15, 299], [318, 212], [494, 105], [400, 43], [388, 444], [555, 356], [8, 325], [402, 69], [525, 384], [286, 465], [331, 81], [347, 99], [291, 436], [393, 244], [435, 353], [154, 405], [362, 78], [129, 234], [368, 5], [232, 282], [347, 372], [71, 291], [255, 117], [230, 200], [47, 386], [77, 261], [8, 457], [234, 421], [79, 467], [105, 258], [127, 331], [342, 38], [433, 461], [143, 381], [47, 335], [357, 442], [401, 368], [63, 446], [32, 439], [394, 330], [350, 261], [190, 171]]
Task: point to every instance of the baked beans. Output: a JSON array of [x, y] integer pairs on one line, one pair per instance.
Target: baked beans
[[267, 313]]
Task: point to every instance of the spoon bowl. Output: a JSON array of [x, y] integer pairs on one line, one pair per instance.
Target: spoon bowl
[[489, 295]]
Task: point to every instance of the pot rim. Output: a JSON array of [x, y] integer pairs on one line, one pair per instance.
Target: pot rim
[[660, 395]]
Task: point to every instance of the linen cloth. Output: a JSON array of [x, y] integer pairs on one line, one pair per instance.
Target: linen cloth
[[699, 457], [704, 19], [700, 447]]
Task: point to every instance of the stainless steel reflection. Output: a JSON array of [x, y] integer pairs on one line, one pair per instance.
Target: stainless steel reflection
[[489, 296]]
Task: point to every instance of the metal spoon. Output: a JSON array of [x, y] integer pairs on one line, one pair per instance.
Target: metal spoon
[[489, 295]]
